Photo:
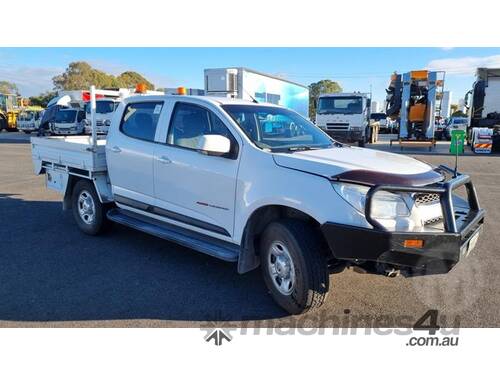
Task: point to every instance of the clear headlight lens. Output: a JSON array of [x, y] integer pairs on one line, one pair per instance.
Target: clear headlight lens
[[385, 205], [353, 194], [107, 122]]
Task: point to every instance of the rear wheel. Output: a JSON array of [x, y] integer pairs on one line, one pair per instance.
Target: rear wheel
[[293, 266], [88, 211]]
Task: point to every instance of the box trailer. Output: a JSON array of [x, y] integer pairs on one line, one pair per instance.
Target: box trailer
[[247, 84]]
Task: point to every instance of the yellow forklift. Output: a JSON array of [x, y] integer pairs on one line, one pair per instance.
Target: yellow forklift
[[414, 101], [9, 109]]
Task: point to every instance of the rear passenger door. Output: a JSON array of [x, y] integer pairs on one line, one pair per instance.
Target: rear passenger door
[[129, 153], [194, 189]]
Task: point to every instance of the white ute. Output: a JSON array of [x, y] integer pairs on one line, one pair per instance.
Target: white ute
[[258, 184]]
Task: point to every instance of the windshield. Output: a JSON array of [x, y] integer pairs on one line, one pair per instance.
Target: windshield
[[340, 105], [102, 106], [277, 128], [26, 116], [65, 116]]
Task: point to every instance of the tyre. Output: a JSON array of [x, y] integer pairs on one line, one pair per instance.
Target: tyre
[[361, 143], [293, 266], [88, 211]]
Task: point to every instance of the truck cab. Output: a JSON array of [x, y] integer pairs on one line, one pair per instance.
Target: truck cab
[[69, 121], [105, 109], [29, 120], [344, 116]]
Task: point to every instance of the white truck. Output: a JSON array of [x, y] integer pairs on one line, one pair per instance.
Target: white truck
[[105, 109], [69, 121], [344, 116], [251, 85], [216, 175], [28, 120], [483, 103]]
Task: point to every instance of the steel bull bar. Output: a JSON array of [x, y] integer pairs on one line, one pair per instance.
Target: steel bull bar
[[441, 248]]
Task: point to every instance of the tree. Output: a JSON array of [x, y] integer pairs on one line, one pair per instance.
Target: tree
[[131, 79], [324, 86], [8, 88], [453, 108], [43, 99], [458, 114], [80, 76]]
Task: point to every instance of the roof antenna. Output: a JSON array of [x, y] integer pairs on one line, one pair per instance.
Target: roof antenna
[[251, 97]]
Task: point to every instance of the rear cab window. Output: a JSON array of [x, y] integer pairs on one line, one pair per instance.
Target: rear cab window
[[141, 119]]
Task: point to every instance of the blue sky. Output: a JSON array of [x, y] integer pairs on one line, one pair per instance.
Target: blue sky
[[356, 69]]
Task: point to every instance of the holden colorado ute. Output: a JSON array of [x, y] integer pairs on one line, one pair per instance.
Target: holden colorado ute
[[215, 175]]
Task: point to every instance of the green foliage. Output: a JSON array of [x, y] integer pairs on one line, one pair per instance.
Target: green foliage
[[130, 79], [8, 88], [43, 99], [458, 114], [80, 76], [324, 86]]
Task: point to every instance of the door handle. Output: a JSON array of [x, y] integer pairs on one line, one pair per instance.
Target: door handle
[[164, 160], [116, 149]]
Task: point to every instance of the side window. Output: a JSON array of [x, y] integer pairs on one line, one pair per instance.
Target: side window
[[81, 116], [140, 120], [190, 122]]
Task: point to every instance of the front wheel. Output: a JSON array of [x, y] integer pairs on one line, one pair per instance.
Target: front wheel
[[293, 266], [88, 211]]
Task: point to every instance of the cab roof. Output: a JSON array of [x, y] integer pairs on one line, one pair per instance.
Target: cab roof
[[198, 98]]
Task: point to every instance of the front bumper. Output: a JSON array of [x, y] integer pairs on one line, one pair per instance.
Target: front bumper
[[345, 135], [61, 131], [440, 250]]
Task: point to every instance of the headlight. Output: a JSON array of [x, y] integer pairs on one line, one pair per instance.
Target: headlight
[[355, 195], [385, 205], [107, 122]]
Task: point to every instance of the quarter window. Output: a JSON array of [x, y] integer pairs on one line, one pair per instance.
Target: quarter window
[[140, 120]]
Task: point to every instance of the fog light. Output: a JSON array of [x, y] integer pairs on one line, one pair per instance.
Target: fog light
[[416, 244]]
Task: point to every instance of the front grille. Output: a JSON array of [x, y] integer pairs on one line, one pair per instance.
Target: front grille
[[426, 198], [337, 126], [433, 220], [99, 123]]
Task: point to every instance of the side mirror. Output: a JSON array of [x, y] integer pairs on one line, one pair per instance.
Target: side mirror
[[214, 144]]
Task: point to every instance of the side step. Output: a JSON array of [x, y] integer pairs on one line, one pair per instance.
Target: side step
[[185, 237]]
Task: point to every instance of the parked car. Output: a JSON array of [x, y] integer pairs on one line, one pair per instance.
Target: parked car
[[215, 174], [455, 123], [69, 121]]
